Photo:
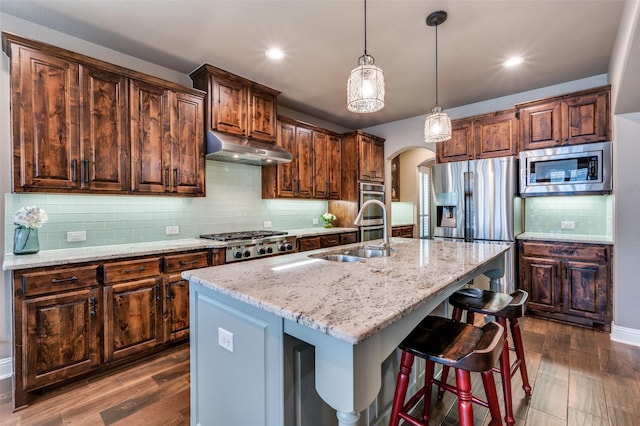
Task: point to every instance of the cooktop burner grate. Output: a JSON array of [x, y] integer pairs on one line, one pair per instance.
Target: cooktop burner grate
[[243, 235]]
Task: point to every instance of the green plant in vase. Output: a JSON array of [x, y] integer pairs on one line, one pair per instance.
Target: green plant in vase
[[327, 219], [27, 221]]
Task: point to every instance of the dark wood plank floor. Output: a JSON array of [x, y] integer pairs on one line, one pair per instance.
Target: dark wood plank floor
[[579, 377]]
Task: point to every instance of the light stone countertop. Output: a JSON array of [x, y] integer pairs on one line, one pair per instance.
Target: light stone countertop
[[567, 238], [91, 254], [349, 301]]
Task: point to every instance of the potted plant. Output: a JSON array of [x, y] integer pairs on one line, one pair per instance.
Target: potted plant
[[327, 219]]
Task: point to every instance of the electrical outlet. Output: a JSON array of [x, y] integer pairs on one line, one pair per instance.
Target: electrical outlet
[[225, 339], [315, 221], [77, 236], [173, 230], [568, 224], [267, 224]]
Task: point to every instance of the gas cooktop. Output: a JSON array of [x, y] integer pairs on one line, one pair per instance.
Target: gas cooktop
[[243, 235]]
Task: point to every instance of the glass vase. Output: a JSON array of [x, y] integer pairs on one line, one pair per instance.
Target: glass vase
[[25, 240], [328, 225]]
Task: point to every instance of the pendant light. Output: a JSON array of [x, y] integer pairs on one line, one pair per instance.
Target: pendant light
[[437, 126], [365, 87]]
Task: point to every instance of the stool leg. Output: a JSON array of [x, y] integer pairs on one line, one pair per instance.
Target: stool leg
[[465, 407], [456, 316], [492, 397], [401, 387], [505, 373], [428, 384], [517, 343]]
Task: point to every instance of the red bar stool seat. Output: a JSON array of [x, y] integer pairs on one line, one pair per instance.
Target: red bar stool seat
[[503, 307], [455, 344]]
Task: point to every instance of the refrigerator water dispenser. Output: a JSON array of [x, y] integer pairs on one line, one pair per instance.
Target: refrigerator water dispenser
[[446, 216]]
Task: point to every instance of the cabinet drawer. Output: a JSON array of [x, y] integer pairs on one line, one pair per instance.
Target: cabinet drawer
[[182, 262], [330, 240], [57, 280], [348, 238], [130, 270], [309, 243], [566, 250]]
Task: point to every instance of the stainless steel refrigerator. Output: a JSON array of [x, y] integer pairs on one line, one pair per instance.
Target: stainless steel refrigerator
[[477, 200]]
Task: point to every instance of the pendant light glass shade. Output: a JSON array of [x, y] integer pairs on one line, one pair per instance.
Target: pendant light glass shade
[[437, 126], [365, 87]]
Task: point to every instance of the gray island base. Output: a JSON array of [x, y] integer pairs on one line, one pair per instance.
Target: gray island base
[[354, 314]]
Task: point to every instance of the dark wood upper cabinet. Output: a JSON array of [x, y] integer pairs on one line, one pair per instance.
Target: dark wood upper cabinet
[[84, 125], [327, 155], [483, 136], [577, 118], [236, 105], [362, 160]]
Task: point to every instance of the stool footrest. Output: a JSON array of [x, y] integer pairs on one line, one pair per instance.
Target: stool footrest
[[454, 390]]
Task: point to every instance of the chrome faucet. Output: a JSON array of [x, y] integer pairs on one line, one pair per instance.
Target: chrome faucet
[[385, 219]]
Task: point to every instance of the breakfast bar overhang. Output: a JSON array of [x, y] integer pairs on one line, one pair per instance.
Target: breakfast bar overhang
[[355, 314]]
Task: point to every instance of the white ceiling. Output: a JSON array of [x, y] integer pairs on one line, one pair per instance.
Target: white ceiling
[[561, 40]]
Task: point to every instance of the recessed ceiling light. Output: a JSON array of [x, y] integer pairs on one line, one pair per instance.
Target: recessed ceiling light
[[275, 54], [512, 62]]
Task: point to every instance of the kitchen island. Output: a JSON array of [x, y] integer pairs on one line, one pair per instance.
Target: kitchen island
[[354, 313]]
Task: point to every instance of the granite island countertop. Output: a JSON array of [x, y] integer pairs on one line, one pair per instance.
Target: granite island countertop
[[349, 301]]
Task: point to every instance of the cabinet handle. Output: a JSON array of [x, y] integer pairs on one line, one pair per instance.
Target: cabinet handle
[[158, 295], [86, 171], [328, 188], [184, 262], [94, 304], [74, 169], [332, 241], [297, 183], [566, 272], [175, 177], [140, 269], [166, 177], [63, 280]]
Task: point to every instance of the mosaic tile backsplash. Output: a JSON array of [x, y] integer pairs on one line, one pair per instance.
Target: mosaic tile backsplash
[[233, 203], [592, 215]]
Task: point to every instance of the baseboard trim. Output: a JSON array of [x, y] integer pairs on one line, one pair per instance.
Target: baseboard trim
[[6, 368], [620, 334]]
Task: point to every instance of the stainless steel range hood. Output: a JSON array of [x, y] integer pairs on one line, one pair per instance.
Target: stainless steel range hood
[[236, 149]]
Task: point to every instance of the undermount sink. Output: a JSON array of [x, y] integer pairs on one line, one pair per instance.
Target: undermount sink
[[337, 257], [357, 254]]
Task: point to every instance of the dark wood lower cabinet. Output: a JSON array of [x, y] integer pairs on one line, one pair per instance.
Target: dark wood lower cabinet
[[80, 319], [568, 281], [326, 241]]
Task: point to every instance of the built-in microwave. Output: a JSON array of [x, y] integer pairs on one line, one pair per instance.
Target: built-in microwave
[[373, 214], [567, 170]]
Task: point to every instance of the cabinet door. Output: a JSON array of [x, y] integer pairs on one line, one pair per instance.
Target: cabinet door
[[334, 157], [176, 308], [586, 118], [540, 278], [287, 172], [321, 165], [540, 126], [149, 123], [45, 93], [103, 132], [304, 143], [60, 338], [229, 106], [187, 144], [496, 136], [377, 161], [460, 146], [365, 158], [585, 289], [262, 115], [132, 319]]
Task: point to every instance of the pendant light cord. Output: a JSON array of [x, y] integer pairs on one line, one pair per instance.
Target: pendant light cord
[[365, 27], [436, 64]]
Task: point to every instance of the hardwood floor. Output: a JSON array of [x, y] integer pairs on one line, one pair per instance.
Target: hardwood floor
[[579, 377]]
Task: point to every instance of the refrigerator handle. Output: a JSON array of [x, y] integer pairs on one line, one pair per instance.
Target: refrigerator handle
[[468, 206]]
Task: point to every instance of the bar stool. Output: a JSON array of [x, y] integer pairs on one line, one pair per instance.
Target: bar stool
[[503, 307], [462, 346]]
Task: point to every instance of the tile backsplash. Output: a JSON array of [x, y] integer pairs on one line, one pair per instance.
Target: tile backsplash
[[591, 215], [233, 203]]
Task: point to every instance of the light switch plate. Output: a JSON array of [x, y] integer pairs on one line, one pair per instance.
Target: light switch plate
[[568, 224], [267, 224], [77, 236], [315, 221]]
